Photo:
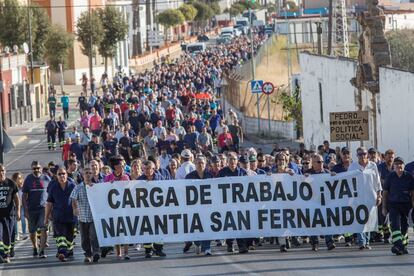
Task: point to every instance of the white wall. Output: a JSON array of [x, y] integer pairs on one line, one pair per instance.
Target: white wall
[[280, 129], [58, 14], [395, 121], [395, 127], [399, 21], [338, 95]]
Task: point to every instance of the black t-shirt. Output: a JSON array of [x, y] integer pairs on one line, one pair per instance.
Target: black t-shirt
[[82, 102], [94, 148], [399, 188], [7, 191]]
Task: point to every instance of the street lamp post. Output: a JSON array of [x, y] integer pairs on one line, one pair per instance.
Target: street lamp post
[[289, 57], [30, 40], [254, 67]]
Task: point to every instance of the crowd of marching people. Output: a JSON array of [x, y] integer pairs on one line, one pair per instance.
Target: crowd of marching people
[[164, 124]]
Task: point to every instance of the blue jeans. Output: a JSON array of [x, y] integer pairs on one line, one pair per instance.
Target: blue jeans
[[205, 245], [23, 221], [363, 238]]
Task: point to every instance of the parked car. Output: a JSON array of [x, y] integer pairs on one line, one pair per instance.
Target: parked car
[[196, 47], [224, 39], [202, 38]]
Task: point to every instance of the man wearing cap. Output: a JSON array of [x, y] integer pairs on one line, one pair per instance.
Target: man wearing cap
[[233, 170], [187, 165], [245, 164], [373, 156], [344, 162], [34, 194], [398, 200], [149, 174], [343, 166], [385, 169], [254, 165], [363, 164], [317, 168], [215, 166]]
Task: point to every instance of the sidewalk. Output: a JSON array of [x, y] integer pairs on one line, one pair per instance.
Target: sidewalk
[[21, 133]]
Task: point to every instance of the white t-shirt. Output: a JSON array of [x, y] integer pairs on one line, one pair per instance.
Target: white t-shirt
[[184, 169], [370, 166]]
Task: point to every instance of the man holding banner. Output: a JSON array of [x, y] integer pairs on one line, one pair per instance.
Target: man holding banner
[[150, 175], [317, 168], [201, 173], [233, 170]]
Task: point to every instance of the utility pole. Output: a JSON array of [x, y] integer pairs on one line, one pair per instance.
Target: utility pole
[[289, 54], [330, 23], [29, 8], [254, 68]]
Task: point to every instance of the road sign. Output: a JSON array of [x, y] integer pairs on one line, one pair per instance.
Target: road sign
[[268, 88], [256, 86], [349, 126]]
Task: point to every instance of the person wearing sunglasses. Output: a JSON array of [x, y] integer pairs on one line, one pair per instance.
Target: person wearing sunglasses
[[317, 168], [34, 194], [363, 164], [63, 218]]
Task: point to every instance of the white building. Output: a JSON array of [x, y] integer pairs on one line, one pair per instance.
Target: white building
[[326, 87]]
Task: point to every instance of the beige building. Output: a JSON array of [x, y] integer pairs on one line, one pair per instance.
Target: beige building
[[66, 13]]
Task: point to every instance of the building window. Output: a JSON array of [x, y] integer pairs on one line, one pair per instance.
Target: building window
[[320, 101]]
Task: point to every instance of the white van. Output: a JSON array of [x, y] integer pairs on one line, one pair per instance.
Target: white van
[[227, 30], [196, 47]]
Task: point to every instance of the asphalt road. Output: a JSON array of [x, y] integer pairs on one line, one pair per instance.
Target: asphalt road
[[265, 260], [33, 144]]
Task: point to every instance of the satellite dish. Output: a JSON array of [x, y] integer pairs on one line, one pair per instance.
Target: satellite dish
[[26, 48], [7, 49], [15, 49]]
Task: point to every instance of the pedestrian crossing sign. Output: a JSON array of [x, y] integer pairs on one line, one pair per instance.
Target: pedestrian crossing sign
[[256, 86]]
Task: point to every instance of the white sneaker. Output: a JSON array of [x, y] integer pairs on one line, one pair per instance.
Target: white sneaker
[[208, 252], [197, 249], [138, 247]]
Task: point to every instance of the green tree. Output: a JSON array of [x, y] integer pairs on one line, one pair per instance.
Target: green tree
[[292, 107], [204, 12], [41, 32], [89, 33], [402, 48], [188, 11], [57, 46], [115, 30], [13, 24], [215, 6], [236, 9], [170, 18]]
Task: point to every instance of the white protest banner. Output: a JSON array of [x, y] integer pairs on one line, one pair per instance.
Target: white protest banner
[[233, 207]]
